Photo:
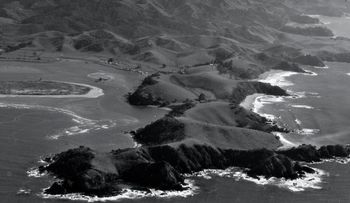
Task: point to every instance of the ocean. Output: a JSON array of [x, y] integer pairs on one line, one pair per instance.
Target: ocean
[[319, 111]]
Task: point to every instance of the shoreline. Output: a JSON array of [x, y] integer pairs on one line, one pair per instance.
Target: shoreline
[[94, 92]]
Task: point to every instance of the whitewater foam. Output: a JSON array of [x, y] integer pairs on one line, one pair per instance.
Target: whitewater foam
[[262, 100], [35, 173]]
